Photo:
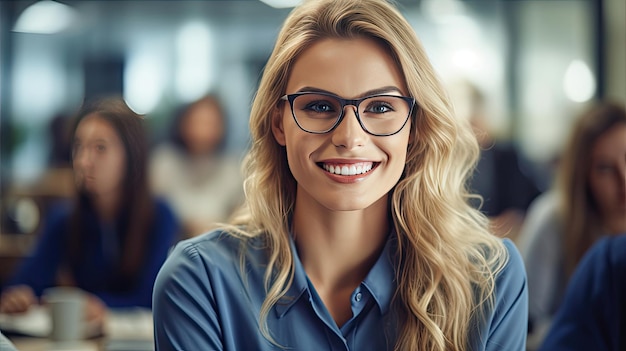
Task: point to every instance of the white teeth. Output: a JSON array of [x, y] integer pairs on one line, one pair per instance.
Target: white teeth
[[349, 170]]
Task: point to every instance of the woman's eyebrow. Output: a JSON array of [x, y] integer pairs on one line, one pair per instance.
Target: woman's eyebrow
[[383, 90], [97, 140], [378, 91]]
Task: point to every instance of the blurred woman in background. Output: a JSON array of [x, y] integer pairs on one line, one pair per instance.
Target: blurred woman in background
[[112, 240], [193, 171], [588, 202]]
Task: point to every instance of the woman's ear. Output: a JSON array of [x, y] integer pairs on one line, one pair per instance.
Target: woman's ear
[[411, 136], [277, 126]]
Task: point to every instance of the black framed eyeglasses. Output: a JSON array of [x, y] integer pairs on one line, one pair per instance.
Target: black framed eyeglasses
[[379, 115]]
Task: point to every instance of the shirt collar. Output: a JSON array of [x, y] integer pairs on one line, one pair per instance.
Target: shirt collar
[[380, 281], [298, 286]]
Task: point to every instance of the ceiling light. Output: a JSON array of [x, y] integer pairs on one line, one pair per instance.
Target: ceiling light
[[282, 3], [45, 17]]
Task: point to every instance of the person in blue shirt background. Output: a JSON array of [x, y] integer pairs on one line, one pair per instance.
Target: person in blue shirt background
[[592, 315], [112, 240], [586, 203], [357, 233]]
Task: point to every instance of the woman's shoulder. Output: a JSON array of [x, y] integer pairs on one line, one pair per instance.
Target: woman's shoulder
[[221, 248], [505, 258], [165, 150], [162, 207], [502, 325], [618, 247], [58, 213], [505, 325], [513, 270], [543, 211], [215, 259], [215, 240], [165, 156], [510, 283], [60, 207], [165, 225], [592, 309], [508, 273], [610, 251], [542, 225]]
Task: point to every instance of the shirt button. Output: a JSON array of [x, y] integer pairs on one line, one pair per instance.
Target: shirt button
[[358, 297]]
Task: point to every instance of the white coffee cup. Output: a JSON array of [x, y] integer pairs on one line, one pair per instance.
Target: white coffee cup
[[67, 313]]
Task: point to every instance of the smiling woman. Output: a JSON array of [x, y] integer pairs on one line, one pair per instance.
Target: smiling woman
[[348, 142], [357, 233]]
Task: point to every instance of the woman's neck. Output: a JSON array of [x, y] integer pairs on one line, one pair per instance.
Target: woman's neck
[[106, 206], [338, 248], [615, 224]]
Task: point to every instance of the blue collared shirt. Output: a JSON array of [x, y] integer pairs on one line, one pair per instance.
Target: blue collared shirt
[[592, 315], [202, 301]]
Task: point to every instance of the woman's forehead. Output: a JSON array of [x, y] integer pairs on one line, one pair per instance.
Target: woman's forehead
[[94, 126], [346, 67]]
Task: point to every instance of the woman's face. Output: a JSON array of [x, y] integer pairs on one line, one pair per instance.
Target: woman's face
[[99, 157], [607, 174], [350, 69], [202, 128]]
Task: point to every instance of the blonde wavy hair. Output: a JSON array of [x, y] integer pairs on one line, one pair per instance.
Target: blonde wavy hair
[[446, 258]]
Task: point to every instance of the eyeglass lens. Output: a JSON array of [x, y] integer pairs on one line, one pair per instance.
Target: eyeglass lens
[[384, 114]]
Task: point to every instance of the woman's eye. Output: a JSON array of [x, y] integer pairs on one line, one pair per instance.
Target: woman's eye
[[379, 108], [100, 147], [321, 107], [75, 148], [603, 168]]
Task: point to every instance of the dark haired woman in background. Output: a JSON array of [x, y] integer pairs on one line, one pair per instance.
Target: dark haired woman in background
[[587, 203], [208, 184], [111, 241]]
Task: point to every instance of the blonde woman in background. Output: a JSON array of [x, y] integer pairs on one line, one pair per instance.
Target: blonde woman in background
[[587, 202], [357, 233]]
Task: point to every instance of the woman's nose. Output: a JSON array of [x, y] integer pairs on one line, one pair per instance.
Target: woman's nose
[[82, 158], [349, 133]]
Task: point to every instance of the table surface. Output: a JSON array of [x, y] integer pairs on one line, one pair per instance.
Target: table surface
[[24, 343], [123, 330]]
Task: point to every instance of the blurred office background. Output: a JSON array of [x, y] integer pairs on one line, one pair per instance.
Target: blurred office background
[[538, 63]]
